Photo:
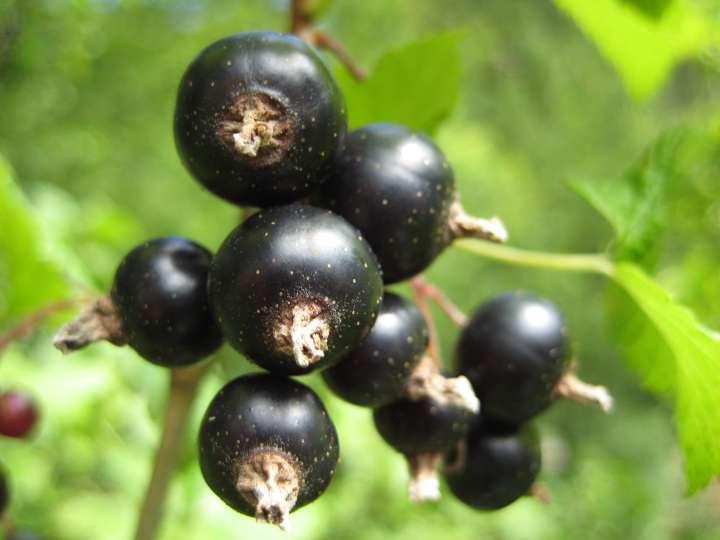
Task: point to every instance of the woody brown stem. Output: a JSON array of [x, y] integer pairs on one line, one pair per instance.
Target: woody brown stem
[[463, 225], [429, 290], [183, 389], [539, 492], [571, 387], [421, 302], [427, 381], [301, 24], [98, 321]]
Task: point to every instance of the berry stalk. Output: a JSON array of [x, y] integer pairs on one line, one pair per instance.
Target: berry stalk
[[183, 389]]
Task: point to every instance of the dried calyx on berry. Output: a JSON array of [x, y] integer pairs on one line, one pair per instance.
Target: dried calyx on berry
[[516, 353], [377, 371], [18, 414], [397, 187], [434, 414], [422, 430], [494, 465], [267, 446], [259, 118], [158, 306], [295, 288]]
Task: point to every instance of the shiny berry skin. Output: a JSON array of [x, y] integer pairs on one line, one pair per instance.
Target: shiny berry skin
[[421, 426], [160, 294], [497, 466], [514, 350], [295, 288], [258, 422], [396, 187], [259, 118], [376, 371], [4, 492], [18, 414]]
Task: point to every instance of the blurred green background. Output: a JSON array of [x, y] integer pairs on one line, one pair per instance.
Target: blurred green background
[[86, 100]]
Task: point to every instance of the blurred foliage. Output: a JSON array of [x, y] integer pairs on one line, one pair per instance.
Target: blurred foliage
[[86, 98], [421, 105], [644, 49]]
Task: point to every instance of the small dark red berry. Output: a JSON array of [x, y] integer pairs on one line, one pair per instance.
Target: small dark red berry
[[18, 414]]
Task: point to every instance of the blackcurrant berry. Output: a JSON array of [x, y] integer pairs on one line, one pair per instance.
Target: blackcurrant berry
[[18, 414], [158, 305], [398, 188], [4, 492], [267, 446], [295, 288], [422, 430], [377, 370], [259, 118], [515, 352], [494, 466]]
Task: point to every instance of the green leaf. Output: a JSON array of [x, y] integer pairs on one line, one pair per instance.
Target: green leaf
[[683, 360], [635, 204], [643, 49], [649, 8], [28, 278], [417, 85]]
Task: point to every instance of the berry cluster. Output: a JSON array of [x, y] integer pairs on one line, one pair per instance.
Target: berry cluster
[[299, 287]]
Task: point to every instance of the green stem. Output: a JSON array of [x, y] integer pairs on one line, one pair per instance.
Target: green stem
[[595, 263]]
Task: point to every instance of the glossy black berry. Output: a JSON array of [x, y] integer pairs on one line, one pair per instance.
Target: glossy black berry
[[396, 186], [514, 351], [423, 425], [295, 288], [160, 295], [18, 414], [494, 466], [267, 446], [4, 492], [259, 118], [422, 430], [377, 370]]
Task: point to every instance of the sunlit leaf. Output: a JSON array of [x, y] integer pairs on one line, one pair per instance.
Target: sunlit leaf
[[643, 49], [28, 278], [417, 85], [687, 366], [636, 204]]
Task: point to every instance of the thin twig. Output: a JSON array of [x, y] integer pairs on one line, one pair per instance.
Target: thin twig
[[32, 321], [436, 294], [301, 24], [422, 304], [323, 40], [183, 389]]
